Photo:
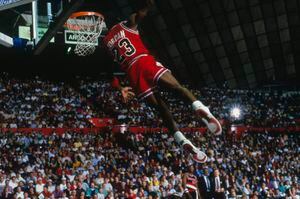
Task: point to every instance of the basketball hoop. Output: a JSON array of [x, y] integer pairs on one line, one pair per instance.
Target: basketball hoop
[[86, 27]]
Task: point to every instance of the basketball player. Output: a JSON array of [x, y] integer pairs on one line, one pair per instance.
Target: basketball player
[[145, 75], [190, 183]]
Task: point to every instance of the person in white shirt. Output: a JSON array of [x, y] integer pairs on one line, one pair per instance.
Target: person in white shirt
[[71, 176], [205, 185], [100, 195], [13, 182], [64, 196], [63, 185], [170, 190], [51, 187], [20, 193], [107, 185], [99, 180], [2, 183], [217, 187], [19, 178], [164, 182], [39, 187], [26, 196], [247, 190]]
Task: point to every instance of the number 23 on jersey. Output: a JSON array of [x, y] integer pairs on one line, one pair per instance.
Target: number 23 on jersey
[[125, 48]]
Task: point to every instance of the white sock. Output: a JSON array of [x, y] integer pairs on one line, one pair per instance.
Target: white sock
[[179, 137], [197, 105]]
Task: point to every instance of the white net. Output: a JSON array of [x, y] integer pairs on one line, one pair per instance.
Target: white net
[[87, 29]]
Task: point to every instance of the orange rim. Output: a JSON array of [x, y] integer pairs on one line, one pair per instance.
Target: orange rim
[[81, 14]]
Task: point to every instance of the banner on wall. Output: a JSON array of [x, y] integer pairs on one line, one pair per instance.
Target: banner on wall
[[235, 130]]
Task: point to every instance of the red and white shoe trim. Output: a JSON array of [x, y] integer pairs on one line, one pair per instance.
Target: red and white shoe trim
[[213, 124], [197, 155], [200, 157]]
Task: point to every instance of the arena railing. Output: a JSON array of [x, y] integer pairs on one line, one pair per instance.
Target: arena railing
[[236, 130]]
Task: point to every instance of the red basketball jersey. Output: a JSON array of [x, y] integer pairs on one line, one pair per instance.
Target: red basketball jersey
[[124, 44], [191, 182]]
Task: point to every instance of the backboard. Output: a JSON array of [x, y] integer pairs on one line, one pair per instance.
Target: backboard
[[29, 19], [46, 12], [8, 4]]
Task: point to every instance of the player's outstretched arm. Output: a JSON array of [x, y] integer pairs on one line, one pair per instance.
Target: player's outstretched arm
[[115, 83], [126, 92], [141, 13]]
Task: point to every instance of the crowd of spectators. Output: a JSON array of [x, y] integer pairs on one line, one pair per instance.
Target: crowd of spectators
[[107, 165], [265, 108], [259, 108], [37, 103]]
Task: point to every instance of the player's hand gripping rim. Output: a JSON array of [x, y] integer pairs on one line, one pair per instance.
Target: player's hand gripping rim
[[127, 94]]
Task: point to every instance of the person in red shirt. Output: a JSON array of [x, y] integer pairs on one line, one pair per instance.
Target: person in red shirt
[[190, 183], [46, 193], [145, 75]]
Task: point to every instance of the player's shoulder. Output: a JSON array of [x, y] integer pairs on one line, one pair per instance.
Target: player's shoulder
[[112, 31], [125, 26], [117, 26]]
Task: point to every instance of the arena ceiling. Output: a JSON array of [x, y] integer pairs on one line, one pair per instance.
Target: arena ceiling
[[242, 43]]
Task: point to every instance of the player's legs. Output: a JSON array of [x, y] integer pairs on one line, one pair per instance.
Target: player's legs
[[157, 102], [169, 81], [143, 76]]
